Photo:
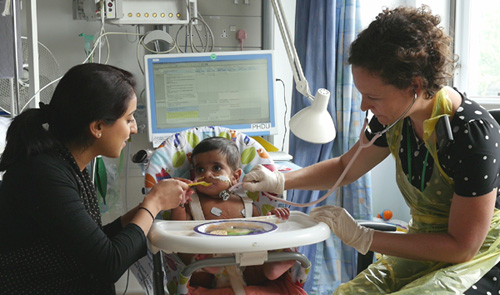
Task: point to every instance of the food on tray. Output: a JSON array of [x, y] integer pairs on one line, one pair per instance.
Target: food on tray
[[234, 229]]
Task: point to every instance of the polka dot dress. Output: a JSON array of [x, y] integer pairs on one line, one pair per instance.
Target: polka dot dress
[[471, 160], [488, 285]]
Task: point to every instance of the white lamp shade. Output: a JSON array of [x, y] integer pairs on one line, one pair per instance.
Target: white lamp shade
[[314, 123]]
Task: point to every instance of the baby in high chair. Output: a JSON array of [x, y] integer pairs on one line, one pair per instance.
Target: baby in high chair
[[216, 166]]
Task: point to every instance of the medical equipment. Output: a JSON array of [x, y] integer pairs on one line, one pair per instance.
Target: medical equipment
[[230, 89], [136, 12], [443, 132], [380, 133], [48, 70]]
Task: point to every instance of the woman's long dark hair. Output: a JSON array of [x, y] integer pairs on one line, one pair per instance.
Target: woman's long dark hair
[[86, 93]]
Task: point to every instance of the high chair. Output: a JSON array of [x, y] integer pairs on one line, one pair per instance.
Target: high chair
[[172, 159]]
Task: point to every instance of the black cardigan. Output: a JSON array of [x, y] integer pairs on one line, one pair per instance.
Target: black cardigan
[[50, 242]]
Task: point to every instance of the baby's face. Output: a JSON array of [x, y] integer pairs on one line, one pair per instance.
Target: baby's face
[[212, 167]]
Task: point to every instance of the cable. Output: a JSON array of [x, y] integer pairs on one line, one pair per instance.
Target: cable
[[102, 31], [126, 284], [209, 36], [36, 93], [190, 28], [141, 42], [96, 44], [105, 34]]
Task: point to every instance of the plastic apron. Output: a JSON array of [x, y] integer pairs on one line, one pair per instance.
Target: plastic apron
[[430, 211]]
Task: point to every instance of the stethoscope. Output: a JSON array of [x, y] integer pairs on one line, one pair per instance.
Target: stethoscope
[[380, 133], [361, 146]]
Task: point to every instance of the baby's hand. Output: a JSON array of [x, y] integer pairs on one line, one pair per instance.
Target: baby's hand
[[281, 213]]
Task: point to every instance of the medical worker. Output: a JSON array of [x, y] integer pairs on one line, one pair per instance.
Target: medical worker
[[447, 153]]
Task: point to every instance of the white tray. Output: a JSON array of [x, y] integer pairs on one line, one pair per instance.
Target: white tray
[[179, 236]]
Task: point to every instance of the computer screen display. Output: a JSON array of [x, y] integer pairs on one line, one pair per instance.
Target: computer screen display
[[230, 89]]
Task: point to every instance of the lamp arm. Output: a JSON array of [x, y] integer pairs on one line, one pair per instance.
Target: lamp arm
[[300, 80], [314, 123]]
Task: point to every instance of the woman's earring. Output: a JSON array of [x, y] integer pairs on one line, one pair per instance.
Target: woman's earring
[[99, 135]]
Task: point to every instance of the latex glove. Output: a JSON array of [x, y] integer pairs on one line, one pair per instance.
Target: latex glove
[[261, 179], [344, 227]]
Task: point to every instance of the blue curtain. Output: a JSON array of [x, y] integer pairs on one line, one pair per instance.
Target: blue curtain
[[323, 33]]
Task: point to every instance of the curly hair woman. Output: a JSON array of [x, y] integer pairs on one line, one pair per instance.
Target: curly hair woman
[[401, 65]]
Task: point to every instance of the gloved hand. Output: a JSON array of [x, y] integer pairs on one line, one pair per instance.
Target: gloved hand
[[264, 180], [344, 227]]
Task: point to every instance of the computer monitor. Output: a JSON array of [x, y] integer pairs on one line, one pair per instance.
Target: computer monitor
[[229, 89]]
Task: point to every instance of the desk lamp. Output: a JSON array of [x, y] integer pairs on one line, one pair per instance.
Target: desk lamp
[[314, 123]]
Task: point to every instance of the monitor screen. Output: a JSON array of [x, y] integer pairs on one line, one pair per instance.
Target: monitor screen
[[230, 89]]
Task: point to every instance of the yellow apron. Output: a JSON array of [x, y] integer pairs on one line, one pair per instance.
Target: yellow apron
[[430, 211]]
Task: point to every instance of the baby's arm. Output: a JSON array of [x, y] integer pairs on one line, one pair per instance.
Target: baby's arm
[[180, 213]]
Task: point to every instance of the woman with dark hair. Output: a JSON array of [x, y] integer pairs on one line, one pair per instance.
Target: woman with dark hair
[[53, 241], [446, 149]]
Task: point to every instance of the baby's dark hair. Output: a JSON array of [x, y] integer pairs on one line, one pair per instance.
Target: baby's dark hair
[[226, 147]]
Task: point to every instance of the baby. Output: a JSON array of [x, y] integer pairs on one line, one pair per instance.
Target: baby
[[216, 164]]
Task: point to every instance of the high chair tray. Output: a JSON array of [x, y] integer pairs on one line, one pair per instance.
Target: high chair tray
[[179, 236]]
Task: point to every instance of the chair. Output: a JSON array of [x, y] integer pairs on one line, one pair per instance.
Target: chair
[[172, 159], [495, 113]]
